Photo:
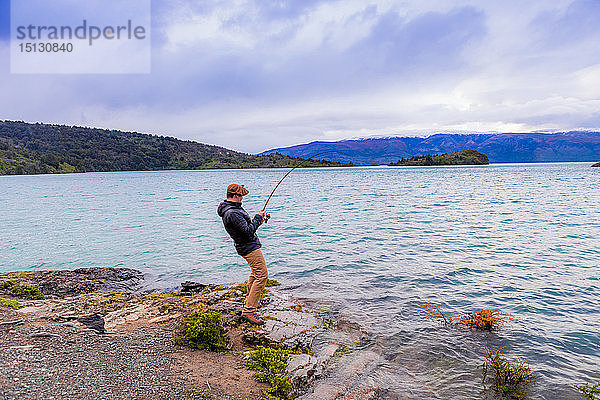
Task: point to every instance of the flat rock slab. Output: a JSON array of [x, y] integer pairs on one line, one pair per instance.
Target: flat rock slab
[[66, 283], [291, 327], [287, 324], [304, 369], [227, 307]]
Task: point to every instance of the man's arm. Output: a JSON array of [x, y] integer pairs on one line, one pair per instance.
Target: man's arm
[[242, 225]]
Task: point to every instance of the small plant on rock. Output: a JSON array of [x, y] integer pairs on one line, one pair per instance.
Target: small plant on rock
[[591, 392], [271, 365], [242, 287], [508, 379], [11, 303], [272, 282], [204, 394], [237, 292], [26, 291], [206, 331]]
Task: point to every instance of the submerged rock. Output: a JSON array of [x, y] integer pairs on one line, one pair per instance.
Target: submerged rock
[[303, 370]]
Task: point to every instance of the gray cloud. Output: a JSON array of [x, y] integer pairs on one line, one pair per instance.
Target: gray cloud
[[264, 74]]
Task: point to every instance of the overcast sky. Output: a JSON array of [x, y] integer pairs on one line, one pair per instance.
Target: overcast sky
[[254, 75]]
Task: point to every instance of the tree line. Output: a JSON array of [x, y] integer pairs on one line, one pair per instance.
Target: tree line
[[43, 148]]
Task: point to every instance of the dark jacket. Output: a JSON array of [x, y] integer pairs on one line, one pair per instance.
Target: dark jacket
[[240, 227]]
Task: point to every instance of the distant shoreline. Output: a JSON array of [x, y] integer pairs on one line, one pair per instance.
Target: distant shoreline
[[311, 167]]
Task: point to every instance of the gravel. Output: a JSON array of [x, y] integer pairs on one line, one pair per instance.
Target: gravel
[[58, 361]]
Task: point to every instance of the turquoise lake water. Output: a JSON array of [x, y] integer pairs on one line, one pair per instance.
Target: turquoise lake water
[[370, 243]]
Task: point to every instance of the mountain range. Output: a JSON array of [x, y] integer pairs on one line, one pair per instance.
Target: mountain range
[[500, 147]]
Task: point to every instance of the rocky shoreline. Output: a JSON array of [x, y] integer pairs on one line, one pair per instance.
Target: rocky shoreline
[[94, 333]]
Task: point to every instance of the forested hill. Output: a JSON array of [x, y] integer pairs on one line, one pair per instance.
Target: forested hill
[[41, 148], [463, 157]]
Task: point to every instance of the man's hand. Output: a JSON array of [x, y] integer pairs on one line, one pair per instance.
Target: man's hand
[[262, 213]]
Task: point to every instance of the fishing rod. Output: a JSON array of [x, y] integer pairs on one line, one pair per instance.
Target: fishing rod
[[289, 172]]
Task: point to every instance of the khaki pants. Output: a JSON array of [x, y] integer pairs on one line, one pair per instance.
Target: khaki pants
[[257, 280]]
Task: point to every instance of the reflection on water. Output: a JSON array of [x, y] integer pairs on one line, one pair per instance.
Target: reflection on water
[[373, 243]]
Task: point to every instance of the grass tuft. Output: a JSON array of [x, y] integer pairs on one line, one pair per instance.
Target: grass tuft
[[505, 378], [272, 282], [233, 291], [11, 303], [6, 285]]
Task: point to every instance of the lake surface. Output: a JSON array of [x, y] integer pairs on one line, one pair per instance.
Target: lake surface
[[371, 243]]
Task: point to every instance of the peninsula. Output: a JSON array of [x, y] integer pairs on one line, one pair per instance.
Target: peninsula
[[463, 157], [27, 149]]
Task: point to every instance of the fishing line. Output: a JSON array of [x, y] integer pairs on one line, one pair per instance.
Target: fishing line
[[290, 171]]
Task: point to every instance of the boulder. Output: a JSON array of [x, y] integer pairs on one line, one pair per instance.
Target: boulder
[[194, 287], [94, 322]]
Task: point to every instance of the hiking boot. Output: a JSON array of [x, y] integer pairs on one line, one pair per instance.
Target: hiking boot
[[253, 318]]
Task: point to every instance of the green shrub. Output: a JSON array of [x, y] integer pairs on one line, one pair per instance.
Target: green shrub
[[26, 291], [271, 365], [506, 378], [206, 331], [11, 303], [272, 282], [590, 392]]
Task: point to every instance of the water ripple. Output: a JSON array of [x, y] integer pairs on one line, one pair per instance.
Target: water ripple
[[520, 238]]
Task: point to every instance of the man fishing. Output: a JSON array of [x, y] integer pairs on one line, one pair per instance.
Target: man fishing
[[242, 230]]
